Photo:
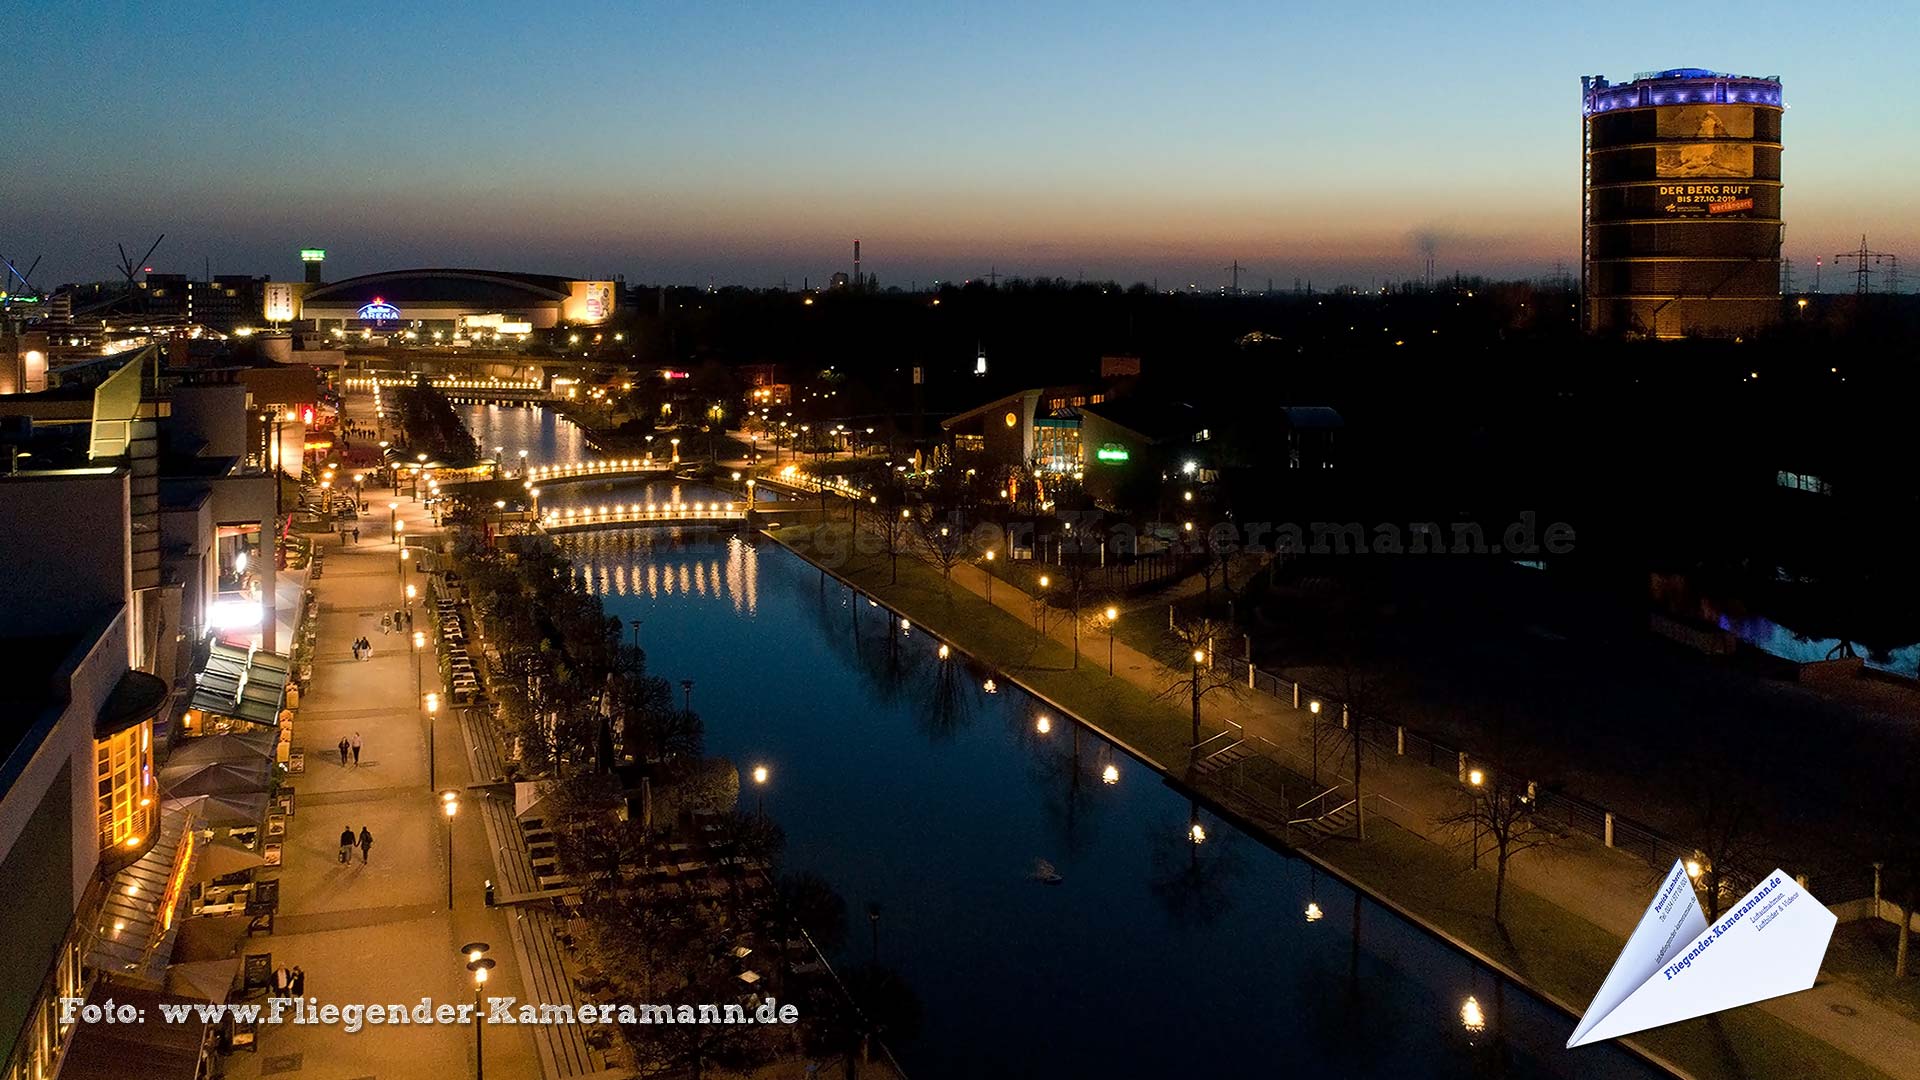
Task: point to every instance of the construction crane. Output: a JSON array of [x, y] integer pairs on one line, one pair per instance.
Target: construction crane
[[128, 267], [1866, 261], [13, 273]]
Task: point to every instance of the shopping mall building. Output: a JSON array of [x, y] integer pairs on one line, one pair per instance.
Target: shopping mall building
[[454, 302]]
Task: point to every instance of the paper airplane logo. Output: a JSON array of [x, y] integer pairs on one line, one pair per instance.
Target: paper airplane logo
[[1676, 967]]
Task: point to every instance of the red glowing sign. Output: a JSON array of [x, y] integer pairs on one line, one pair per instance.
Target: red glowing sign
[[306, 415], [675, 375]]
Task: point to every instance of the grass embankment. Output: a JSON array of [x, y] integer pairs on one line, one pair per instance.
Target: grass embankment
[[1556, 953]]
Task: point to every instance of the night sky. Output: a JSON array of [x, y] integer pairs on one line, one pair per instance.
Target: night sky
[[749, 143]]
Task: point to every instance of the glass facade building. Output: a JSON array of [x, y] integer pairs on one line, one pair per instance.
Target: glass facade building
[[1680, 204]]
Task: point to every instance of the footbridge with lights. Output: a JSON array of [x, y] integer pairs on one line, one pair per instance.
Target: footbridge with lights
[[465, 390], [637, 515], [597, 469]]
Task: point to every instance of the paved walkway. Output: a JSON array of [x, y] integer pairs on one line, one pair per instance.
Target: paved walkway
[[1608, 887], [381, 931]]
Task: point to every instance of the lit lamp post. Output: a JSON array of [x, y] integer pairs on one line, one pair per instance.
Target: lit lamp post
[[393, 518], [479, 963], [1476, 779], [1313, 708], [1040, 605], [499, 516], [1113, 616], [450, 804], [411, 594], [989, 558], [433, 709], [760, 786], [1199, 657], [676, 449]]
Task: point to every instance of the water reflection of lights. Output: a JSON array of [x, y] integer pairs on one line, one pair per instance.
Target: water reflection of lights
[[1471, 1018], [621, 564]]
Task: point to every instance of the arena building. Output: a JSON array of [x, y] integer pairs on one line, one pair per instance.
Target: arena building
[[1680, 210], [451, 301]]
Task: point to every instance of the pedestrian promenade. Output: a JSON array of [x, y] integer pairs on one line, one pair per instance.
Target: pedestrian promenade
[[381, 930]]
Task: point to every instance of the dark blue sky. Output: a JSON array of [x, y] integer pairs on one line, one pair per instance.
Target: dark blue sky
[[751, 142]]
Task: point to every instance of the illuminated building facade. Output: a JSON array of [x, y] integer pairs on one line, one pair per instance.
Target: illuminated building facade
[[1680, 204], [448, 301]]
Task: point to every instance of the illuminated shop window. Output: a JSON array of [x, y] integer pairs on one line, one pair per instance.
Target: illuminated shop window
[[126, 795]]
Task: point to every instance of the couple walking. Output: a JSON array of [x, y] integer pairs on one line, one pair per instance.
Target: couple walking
[[350, 745], [362, 649], [348, 843], [289, 983]]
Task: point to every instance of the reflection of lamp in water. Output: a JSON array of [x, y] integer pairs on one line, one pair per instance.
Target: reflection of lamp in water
[[1197, 834], [1110, 774], [1471, 1017], [990, 687], [1043, 725], [1314, 914]]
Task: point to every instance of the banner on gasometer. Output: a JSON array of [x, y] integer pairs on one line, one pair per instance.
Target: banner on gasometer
[[1676, 967]]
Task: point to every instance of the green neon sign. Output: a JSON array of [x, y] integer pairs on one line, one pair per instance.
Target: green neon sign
[[313, 254], [1112, 453]]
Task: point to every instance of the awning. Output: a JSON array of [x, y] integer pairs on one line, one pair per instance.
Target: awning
[[245, 684], [210, 980], [142, 912], [234, 811], [154, 1050], [241, 746], [216, 778], [217, 859]]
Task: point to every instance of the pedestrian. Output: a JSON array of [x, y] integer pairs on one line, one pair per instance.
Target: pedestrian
[[282, 981], [366, 844], [356, 648], [356, 749], [344, 747], [298, 983], [409, 618], [386, 623], [397, 616], [346, 839], [356, 534], [366, 648]]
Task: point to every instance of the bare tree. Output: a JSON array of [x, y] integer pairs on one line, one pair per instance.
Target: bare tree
[[1187, 649], [947, 545], [1501, 809]]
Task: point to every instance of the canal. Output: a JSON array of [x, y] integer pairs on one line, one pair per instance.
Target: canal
[[1040, 892]]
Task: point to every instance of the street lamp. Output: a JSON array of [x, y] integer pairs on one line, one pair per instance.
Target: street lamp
[[989, 558], [479, 965], [433, 708], [1476, 779], [760, 786], [450, 803], [1040, 605], [1113, 616]]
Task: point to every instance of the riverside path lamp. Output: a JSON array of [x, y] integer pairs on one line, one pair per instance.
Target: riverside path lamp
[[433, 710], [450, 805], [760, 775], [479, 965], [1113, 616], [989, 558], [1040, 605]]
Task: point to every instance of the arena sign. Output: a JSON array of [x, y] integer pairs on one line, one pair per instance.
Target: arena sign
[[379, 311]]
